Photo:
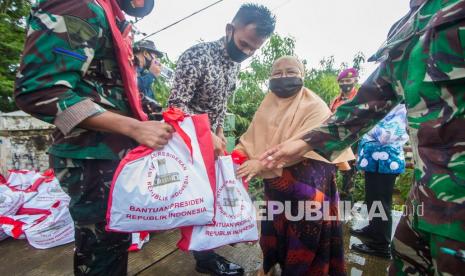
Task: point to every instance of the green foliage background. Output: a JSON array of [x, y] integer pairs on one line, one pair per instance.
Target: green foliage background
[[12, 15]]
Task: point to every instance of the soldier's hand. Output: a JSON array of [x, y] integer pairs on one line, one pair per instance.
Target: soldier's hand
[[152, 134], [280, 155]]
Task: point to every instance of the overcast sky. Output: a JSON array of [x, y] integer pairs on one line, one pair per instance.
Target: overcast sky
[[321, 27]]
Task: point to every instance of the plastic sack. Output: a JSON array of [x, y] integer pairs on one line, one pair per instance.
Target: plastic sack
[[44, 192], [53, 229], [235, 219], [14, 226], [138, 240], [10, 202], [22, 179], [167, 188]]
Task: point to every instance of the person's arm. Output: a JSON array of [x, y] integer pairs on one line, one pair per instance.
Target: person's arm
[[375, 98], [55, 57], [186, 79], [149, 133], [221, 118], [353, 119]]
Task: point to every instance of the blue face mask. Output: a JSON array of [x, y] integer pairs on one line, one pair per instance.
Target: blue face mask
[[234, 52]]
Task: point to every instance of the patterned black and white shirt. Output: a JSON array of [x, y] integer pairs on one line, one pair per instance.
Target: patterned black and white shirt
[[204, 80]]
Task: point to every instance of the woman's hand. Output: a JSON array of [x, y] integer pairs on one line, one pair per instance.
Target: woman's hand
[[249, 169]]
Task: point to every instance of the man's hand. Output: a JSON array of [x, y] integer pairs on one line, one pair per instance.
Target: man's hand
[[152, 134], [219, 145], [249, 169], [280, 155]]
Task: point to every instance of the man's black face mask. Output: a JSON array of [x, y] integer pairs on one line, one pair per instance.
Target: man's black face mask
[[137, 8], [233, 51], [346, 88]]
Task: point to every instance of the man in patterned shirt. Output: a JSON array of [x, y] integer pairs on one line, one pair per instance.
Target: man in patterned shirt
[[206, 76], [422, 63], [69, 76]]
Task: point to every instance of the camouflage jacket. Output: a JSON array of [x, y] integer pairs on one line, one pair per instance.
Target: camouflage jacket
[[68, 73], [421, 63]]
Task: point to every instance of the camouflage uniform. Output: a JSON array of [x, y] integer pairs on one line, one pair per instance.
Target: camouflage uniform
[[69, 73], [422, 63]]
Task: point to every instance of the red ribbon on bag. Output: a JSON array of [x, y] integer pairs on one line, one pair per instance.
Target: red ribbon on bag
[[17, 230], [238, 157], [173, 116]]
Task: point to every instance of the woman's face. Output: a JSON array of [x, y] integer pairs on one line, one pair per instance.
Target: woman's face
[[285, 69], [286, 78]]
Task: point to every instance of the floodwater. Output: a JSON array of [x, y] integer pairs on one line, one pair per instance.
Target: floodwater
[[361, 264]]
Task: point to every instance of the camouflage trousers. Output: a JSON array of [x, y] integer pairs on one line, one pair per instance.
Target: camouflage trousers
[[416, 252], [87, 182]]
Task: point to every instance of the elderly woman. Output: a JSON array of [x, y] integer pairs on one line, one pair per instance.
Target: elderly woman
[[301, 242]]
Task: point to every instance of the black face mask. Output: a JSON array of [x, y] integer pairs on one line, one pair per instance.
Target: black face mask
[[234, 52], [286, 87], [346, 88]]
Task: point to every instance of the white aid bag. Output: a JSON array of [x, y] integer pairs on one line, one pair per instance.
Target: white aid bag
[[53, 229], [22, 179], [10, 202], [138, 240], [45, 191], [235, 218], [14, 226], [168, 188]]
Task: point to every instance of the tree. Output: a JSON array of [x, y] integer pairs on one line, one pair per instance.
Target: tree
[[323, 80], [12, 35], [160, 87]]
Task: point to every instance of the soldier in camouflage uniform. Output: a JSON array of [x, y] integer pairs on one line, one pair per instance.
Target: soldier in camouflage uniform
[[423, 64], [69, 77]]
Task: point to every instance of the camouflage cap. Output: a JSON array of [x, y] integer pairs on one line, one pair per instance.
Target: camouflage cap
[[147, 45]]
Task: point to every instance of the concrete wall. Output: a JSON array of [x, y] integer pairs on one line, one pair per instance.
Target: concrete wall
[[24, 141]]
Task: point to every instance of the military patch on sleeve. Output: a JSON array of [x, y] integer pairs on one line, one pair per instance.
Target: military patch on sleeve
[[79, 31]]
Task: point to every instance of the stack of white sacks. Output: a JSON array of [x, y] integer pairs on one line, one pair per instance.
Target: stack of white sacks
[[34, 207]]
